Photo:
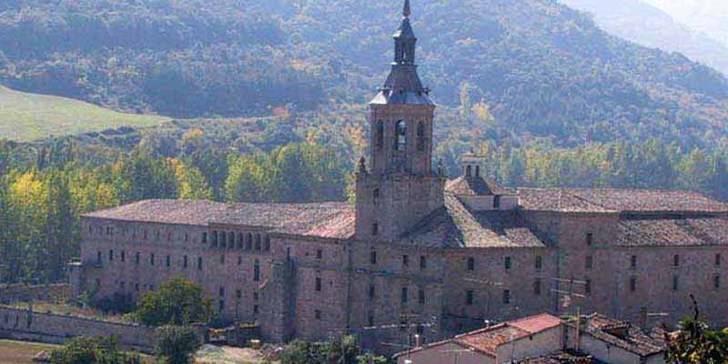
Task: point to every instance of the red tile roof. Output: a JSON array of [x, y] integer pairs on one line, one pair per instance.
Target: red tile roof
[[327, 220], [536, 323], [454, 226], [691, 231], [475, 186], [616, 200], [488, 340]]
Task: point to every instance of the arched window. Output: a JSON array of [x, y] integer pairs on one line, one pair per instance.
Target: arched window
[[380, 134], [468, 171], [249, 242], [256, 271], [421, 137], [400, 136], [477, 171], [257, 241]]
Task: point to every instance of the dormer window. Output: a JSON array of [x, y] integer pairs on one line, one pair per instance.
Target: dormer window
[[400, 133]]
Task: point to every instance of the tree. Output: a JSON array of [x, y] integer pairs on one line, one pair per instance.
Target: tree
[[177, 302], [177, 344], [696, 343], [96, 350]]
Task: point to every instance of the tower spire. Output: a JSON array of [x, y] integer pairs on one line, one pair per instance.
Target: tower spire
[[407, 11]]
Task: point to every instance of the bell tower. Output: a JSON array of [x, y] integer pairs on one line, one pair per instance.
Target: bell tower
[[399, 187]]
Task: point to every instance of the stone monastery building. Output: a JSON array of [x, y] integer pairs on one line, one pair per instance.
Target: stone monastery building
[[418, 253]]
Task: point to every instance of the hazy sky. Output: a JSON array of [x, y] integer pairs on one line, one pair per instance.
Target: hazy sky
[[707, 16]]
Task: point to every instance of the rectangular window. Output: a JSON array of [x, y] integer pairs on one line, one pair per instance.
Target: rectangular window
[[221, 306], [633, 262], [222, 259], [718, 260], [168, 261], [471, 264], [421, 296], [318, 284], [405, 260], [111, 255], [255, 309], [255, 296], [204, 238], [405, 295], [496, 202], [632, 284], [539, 262], [373, 257], [317, 313], [423, 262], [469, 297], [240, 260], [319, 254], [184, 262], [372, 291], [506, 296], [716, 282], [676, 261], [675, 283], [137, 258], [370, 319], [589, 263], [239, 294], [151, 259], [199, 263], [98, 257], [221, 291], [588, 286], [123, 256], [537, 287], [508, 263], [375, 229], [589, 239]]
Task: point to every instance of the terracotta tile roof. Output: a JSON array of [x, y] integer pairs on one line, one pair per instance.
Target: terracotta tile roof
[[328, 219], [183, 212], [455, 226], [690, 231], [622, 334], [618, 200], [475, 187], [536, 323], [488, 340]]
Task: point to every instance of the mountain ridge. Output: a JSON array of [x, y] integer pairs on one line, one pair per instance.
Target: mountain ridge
[[543, 70]]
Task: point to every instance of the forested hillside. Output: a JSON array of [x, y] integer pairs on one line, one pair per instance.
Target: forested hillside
[[543, 69]]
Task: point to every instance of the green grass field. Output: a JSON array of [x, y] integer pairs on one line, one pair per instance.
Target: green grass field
[[27, 117], [19, 352]]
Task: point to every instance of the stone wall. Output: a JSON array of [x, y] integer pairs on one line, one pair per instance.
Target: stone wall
[[23, 293], [23, 324]]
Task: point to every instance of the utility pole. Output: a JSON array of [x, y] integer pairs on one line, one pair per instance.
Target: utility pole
[[568, 294]]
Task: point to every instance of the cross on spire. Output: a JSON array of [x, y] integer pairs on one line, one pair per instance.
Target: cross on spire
[[407, 10]]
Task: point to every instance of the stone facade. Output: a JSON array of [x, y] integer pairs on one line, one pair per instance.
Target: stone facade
[[418, 254]]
